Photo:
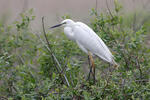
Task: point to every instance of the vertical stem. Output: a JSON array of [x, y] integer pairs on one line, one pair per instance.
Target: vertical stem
[[53, 56], [96, 6]]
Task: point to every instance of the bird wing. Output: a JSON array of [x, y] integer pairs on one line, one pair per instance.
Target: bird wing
[[91, 41]]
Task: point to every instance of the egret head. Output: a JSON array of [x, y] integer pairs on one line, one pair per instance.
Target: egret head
[[66, 22]]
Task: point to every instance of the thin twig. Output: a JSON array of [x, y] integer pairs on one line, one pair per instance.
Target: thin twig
[[53, 56], [109, 9], [107, 84], [96, 6], [28, 64], [21, 59], [139, 67], [64, 69], [58, 70], [134, 22], [134, 18]]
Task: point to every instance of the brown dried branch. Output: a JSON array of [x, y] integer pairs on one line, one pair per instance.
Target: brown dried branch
[[134, 22], [139, 68], [55, 61], [96, 6], [109, 9]]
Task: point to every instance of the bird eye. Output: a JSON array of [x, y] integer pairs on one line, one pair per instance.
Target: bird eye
[[64, 23]]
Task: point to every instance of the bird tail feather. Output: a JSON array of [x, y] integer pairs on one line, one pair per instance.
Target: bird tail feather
[[115, 64]]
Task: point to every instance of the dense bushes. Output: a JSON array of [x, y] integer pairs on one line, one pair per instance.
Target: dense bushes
[[28, 71]]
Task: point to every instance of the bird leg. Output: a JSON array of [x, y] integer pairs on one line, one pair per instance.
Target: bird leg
[[92, 66]]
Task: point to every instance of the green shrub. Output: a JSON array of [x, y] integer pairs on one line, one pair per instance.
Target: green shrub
[[28, 71]]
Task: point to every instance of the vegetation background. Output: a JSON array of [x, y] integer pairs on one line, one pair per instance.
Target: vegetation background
[[32, 69]]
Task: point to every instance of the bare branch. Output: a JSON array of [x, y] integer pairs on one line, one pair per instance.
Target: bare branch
[[134, 22], [52, 55], [96, 6], [139, 67], [109, 9]]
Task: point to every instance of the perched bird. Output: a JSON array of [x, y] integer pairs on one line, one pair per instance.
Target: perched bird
[[88, 41]]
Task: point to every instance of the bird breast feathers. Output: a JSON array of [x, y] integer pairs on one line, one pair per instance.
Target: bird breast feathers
[[69, 33]]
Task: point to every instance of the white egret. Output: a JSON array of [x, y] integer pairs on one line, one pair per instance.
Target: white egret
[[88, 41]]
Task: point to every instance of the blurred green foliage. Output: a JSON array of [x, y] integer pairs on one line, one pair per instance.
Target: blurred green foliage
[[27, 71]]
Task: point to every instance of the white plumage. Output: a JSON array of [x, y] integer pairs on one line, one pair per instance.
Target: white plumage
[[87, 40]]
